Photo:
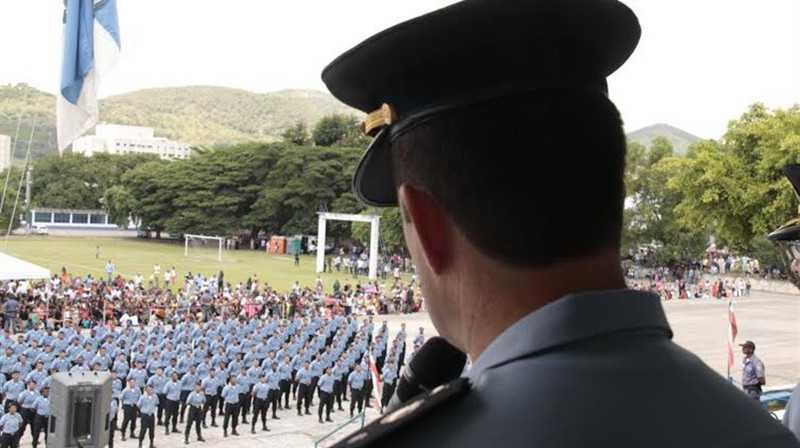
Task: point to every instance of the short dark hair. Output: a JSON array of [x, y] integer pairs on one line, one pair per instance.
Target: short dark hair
[[530, 179]]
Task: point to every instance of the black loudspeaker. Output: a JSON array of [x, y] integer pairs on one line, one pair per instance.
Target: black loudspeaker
[[79, 407]]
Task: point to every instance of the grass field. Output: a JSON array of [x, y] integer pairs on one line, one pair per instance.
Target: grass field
[[134, 256]]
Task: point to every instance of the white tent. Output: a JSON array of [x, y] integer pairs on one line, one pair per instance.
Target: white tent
[[12, 268]]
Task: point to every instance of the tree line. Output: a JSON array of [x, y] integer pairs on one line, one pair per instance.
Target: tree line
[[731, 189]]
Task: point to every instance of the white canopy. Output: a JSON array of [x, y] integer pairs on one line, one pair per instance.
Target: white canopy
[[12, 268]]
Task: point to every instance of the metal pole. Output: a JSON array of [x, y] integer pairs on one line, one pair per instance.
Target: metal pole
[[10, 160], [16, 200]]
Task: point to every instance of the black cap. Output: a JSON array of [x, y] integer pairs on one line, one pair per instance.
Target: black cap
[[467, 53], [750, 344]]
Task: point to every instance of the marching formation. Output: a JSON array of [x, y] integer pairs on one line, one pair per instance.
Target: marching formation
[[217, 373]]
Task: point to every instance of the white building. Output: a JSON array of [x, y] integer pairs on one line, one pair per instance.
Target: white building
[[5, 152], [119, 139]]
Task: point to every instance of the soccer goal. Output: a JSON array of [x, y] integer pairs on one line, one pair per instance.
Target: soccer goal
[[203, 245]]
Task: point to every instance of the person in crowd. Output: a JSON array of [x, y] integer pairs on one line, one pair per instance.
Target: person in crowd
[[130, 400], [147, 405], [171, 391], [753, 373], [326, 395], [261, 393], [10, 423], [230, 396], [113, 410], [42, 416], [196, 401]]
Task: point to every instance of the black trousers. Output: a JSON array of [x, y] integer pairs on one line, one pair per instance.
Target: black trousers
[[27, 420], [184, 396], [325, 401], [9, 441], [388, 391], [171, 407], [294, 384], [112, 429], [314, 381], [274, 397], [39, 425], [367, 393], [211, 405], [196, 418], [285, 386], [259, 409], [337, 393], [232, 415], [162, 405], [244, 405], [221, 402], [356, 399], [129, 415], [148, 423], [303, 396]]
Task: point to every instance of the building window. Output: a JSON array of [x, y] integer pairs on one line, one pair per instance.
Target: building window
[[80, 218], [62, 218], [98, 219], [42, 217]]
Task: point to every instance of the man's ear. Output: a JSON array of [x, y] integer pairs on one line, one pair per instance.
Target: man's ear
[[431, 225]]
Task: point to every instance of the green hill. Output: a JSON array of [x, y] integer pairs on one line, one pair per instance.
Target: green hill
[[680, 139], [200, 115]]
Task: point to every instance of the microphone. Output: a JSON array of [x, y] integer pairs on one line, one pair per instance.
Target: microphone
[[436, 363]]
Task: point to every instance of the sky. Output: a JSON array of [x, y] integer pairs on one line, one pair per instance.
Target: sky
[[699, 64]]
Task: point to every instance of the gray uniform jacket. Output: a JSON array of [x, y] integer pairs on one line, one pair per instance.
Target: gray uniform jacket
[[591, 369]]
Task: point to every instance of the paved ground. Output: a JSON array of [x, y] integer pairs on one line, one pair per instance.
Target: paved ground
[[771, 320]]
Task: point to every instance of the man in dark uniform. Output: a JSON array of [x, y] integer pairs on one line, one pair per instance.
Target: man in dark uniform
[[494, 135]]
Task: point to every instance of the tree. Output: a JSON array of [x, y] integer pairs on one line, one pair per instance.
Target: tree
[[297, 134], [338, 130], [649, 216], [391, 230], [735, 186]]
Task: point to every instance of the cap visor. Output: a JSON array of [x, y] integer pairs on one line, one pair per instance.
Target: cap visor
[[373, 182]]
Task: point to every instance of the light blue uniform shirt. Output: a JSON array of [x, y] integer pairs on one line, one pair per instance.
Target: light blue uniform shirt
[[27, 398], [12, 389], [325, 383], [303, 376], [210, 385], [42, 405], [147, 404], [356, 379], [157, 383], [11, 423], [130, 396], [261, 391], [230, 394], [196, 399], [172, 390], [188, 381]]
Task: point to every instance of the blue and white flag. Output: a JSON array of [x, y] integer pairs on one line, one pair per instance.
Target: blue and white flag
[[91, 48]]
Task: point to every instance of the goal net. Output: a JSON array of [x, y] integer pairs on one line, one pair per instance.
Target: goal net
[[203, 246]]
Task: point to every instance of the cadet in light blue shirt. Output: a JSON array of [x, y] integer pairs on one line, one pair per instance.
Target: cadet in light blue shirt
[[326, 394], [356, 381], [41, 416], [10, 422], [196, 401], [129, 397], [147, 405], [389, 377], [261, 395], [13, 387], [230, 395], [172, 394]]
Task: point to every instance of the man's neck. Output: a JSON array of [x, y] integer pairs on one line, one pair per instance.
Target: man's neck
[[504, 296]]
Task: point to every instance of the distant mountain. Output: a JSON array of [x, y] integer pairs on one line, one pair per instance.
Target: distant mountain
[[198, 115], [679, 138]]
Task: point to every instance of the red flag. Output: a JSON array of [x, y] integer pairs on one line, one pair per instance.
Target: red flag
[[732, 330], [376, 380]]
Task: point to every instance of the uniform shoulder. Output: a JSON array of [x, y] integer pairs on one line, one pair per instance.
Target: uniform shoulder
[[376, 432]]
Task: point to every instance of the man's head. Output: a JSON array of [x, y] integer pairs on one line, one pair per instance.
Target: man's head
[[518, 183], [505, 157], [748, 348]]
